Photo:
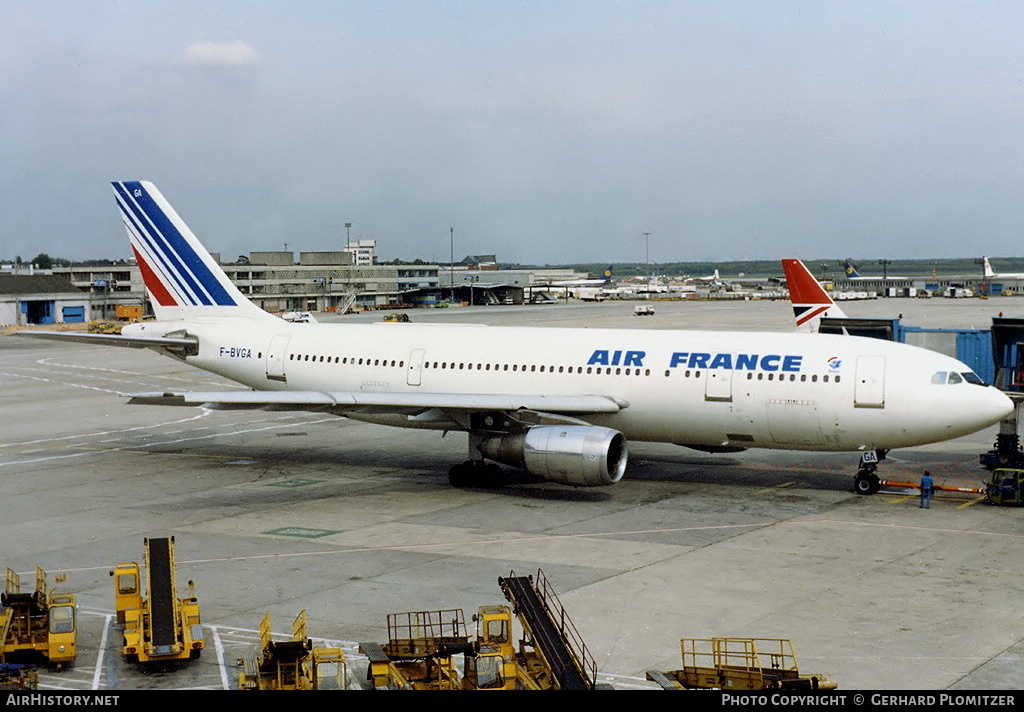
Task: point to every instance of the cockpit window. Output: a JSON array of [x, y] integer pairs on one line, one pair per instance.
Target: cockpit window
[[940, 377]]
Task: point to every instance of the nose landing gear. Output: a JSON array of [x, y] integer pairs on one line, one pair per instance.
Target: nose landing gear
[[866, 480]]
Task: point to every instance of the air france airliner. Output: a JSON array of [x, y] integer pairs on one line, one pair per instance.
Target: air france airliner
[[561, 403]]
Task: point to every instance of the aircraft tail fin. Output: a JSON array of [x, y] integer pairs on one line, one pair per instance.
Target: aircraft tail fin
[[989, 272], [182, 278], [810, 301], [851, 271]]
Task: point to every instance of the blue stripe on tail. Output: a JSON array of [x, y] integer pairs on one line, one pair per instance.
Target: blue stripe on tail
[[178, 259]]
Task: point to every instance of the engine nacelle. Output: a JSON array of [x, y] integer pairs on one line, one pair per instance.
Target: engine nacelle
[[580, 455]]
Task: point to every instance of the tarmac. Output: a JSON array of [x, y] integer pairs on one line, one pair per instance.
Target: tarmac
[[349, 522]]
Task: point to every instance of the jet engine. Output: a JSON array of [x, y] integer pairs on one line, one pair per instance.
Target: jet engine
[[579, 455]]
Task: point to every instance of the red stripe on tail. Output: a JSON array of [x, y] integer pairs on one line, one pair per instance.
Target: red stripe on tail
[[153, 283]]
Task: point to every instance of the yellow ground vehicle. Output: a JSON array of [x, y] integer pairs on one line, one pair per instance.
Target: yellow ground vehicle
[[1005, 486], [422, 646], [104, 327], [419, 654], [294, 664], [738, 664], [160, 626], [16, 677], [41, 623]]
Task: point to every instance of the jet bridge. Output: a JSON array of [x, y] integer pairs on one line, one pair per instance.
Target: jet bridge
[[975, 347], [1008, 350]]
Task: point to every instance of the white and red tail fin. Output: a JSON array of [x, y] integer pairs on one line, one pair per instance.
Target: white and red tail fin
[[182, 278], [810, 301], [989, 272]]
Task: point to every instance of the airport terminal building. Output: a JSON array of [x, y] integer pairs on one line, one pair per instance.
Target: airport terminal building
[[276, 281], [41, 299]]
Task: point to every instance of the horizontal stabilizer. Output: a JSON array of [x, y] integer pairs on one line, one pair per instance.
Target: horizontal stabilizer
[[383, 402], [135, 342]]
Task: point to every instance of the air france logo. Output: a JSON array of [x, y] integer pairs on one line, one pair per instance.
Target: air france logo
[[738, 362], [789, 363], [602, 357]]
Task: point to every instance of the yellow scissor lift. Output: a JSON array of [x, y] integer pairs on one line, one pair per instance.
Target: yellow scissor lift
[[40, 623], [420, 651], [292, 664], [738, 664]]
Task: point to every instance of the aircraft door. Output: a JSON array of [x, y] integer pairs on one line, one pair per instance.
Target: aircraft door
[[718, 386], [414, 373], [869, 388], [276, 356]]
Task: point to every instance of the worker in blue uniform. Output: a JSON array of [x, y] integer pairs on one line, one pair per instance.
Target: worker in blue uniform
[[926, 490]]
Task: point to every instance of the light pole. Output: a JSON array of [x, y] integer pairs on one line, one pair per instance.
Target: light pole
[[885, 264], [348, 249], [647, 249], [451, 263]]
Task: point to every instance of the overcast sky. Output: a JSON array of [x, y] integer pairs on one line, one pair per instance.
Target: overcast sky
[[543, 132]]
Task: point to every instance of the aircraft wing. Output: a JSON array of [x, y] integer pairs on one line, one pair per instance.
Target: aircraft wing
[[135, 342], [382, 402]]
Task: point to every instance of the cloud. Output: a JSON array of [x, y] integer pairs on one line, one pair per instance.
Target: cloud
[[221, 54]]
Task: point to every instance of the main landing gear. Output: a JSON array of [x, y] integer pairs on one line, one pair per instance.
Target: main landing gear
[[866, 480], [476, 473]]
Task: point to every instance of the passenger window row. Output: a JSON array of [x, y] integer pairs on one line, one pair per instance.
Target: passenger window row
[[352, 361], [534, 368]]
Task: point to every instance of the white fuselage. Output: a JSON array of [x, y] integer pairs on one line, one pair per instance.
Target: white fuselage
[[700, 388]]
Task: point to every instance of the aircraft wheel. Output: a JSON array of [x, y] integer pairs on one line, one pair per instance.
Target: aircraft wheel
[[458, 475], [476, 474], [865, 483], [490, 475]]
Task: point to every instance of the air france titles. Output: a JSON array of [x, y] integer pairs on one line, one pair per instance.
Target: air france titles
[[787, 363]]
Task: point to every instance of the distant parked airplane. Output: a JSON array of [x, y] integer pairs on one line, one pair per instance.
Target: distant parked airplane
[[991, 274], [852, 275], [587, 282], [810, 301]]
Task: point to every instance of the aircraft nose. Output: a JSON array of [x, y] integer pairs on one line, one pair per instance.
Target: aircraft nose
[[1004, 404], [996, 406]]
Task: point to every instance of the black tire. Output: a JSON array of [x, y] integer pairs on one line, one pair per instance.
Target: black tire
[[865, 484], [458, 475]]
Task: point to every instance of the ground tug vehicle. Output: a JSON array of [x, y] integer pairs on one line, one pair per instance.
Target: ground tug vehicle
[[160, 626], [1005, 486], [422, 646], [292, 664], [39, 624], [738, 664]]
